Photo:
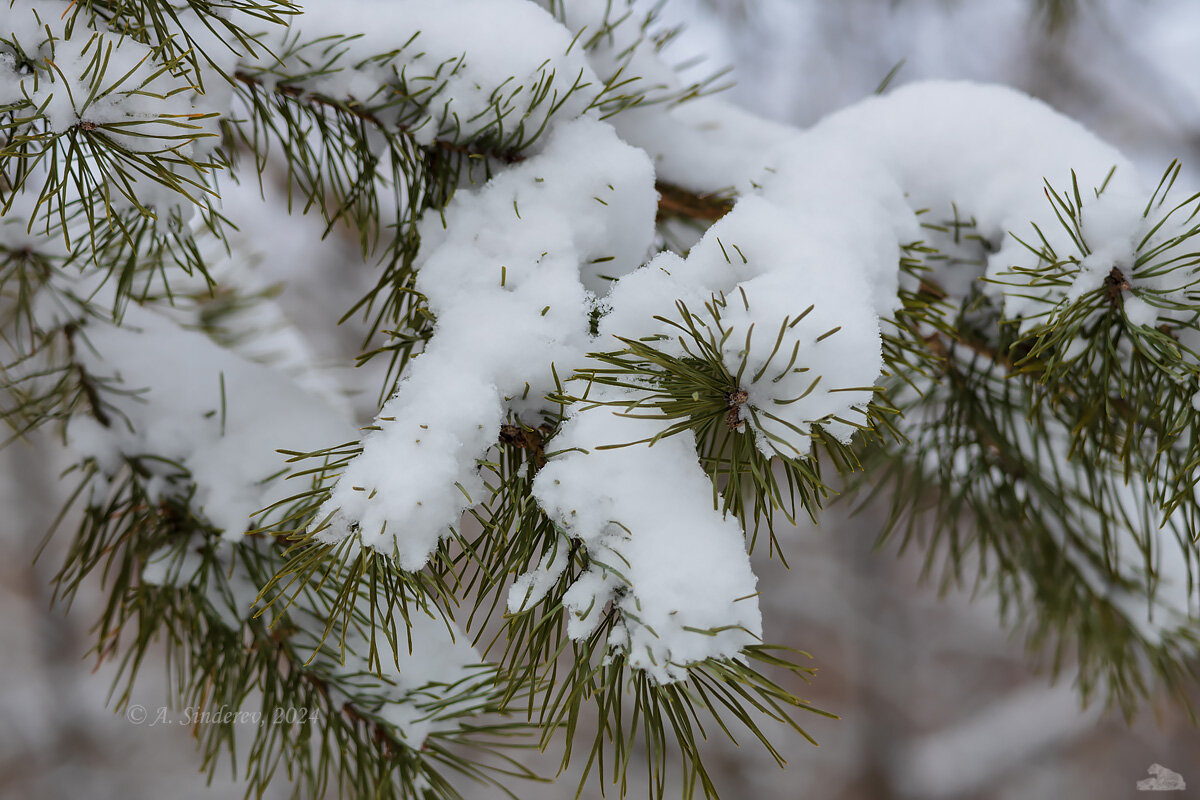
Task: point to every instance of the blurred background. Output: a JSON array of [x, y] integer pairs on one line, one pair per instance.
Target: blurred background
[[937, 699]]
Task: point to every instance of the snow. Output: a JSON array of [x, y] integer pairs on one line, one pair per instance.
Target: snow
[[836, 203], [139, 106], [619, 46], [707, 146], [454, 62], [508, 278], [416, 691], [530, 588], [222, 418], [676, 568], [704, 145]]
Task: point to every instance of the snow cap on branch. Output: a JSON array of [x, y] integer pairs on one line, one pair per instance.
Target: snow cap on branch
[[508, 278]]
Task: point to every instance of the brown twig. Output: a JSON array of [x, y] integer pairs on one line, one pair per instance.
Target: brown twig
[[674, 201], [531, 439]]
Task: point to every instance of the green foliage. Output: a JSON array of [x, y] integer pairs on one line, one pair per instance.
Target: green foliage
[[544, 679], [323, 722], [702, 397], [1035, 460], [178, 32]]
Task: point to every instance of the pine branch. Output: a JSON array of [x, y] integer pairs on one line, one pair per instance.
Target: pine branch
[[351, 107], [674, 201], [1021, 449], [1047, 412], [219, 657]]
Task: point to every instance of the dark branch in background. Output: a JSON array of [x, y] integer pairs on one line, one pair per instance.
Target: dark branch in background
[[675, 201]]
